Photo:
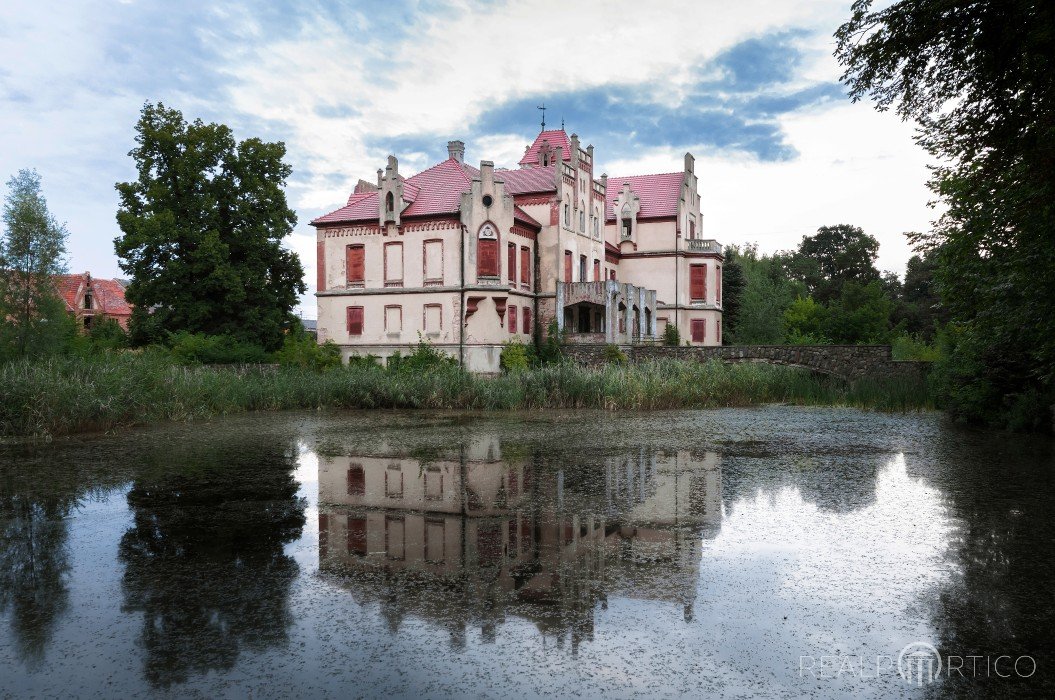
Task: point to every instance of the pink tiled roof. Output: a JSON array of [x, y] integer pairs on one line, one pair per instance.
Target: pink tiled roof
[[659, 194], [555, 137], [362, 206], [527, 180], [108, 295], [439, 189]]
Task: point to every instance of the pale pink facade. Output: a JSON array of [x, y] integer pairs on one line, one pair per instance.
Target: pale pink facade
[[469, 258]]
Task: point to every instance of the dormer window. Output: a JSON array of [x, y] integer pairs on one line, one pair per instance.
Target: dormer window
[[390, 203], [627, 221], [88, 300], [545, 160]]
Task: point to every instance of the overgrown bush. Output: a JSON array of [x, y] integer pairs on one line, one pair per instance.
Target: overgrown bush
[[550, 350], [671, 335], [613, 355], [905, 347], [516, 356], [302, 350], [201, 349], [425, 358]]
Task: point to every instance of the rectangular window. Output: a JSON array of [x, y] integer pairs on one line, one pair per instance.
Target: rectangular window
[[393, 319], [511, 264], [699, 330], [393, 264], [525, 267], [355, 320], [395, 537], [567, 266], [718, 331], [433, 262], [596, 270], [527, 320], [582, 268], [718, 284], [394, 481], [357, 536], [512, 319], [356, 480], [355, 265], [613, 274], [692, 226], [698, 282], [433, 484], [433, 318], [435, 536]]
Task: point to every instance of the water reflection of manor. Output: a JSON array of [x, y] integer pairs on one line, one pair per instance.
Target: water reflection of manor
[[467, 539]]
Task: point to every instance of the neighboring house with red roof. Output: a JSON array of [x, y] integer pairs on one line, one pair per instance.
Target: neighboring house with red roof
[[469, 258], [89, 299]]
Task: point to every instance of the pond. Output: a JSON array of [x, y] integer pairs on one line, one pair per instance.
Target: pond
[[770, 551]]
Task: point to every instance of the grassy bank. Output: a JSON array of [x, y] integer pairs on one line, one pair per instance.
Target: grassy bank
[[69, 395]]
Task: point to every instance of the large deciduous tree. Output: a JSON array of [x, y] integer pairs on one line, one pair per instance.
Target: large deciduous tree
[[834, 256], [978, 77], [32, 252], [202, 229]]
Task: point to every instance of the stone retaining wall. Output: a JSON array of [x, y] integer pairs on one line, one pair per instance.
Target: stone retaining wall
[[846, 361]]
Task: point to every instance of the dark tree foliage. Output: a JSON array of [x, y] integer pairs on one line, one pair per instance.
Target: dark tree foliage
[[733, 284], [202, 229], [832, 257], [921, 309], [204, 558], [978, 76]]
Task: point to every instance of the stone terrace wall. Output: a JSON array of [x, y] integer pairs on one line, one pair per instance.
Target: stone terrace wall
[[846, 361]]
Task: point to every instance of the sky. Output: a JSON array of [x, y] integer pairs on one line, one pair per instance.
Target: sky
[[749, 88]]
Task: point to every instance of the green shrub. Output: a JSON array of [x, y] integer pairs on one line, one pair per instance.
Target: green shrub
[[425, 358], [613, 355], [550, 349], [201, 349], [516, 357], [906, 347], [671, 335], [303, 351], [364, 361], [107, 334]]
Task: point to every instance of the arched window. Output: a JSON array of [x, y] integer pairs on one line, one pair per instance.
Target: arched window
[[567, 215], [627, 221], [487, 252], [582, 218], [390, 203]]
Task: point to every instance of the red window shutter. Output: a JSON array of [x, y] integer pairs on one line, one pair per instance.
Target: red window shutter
[[567, 266], [699, 330], [511, 263], [355, 320], [487, 257], [357, 536], [512, 319], [527, 319], [698, 282], [525, 266], [320, 262], [356, 264], [356, 481], [596, 270]]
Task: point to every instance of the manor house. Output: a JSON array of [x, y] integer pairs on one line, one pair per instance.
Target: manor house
[[468, 258]]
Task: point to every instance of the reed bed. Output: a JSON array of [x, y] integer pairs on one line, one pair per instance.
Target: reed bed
[[70, 395]]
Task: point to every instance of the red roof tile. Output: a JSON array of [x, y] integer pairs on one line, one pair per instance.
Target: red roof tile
[[439, 189], [555, 137], [527, 180], [659, 194], [361, 207]]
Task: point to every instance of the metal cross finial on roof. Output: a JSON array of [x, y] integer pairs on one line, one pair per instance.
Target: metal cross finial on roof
[[543, 108], [562, 123]]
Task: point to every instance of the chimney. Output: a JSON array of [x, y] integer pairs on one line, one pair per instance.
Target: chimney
[[690, 162], [456, 150], [487, 174]]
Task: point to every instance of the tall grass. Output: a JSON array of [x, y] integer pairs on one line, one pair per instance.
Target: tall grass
[[68, 395]]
